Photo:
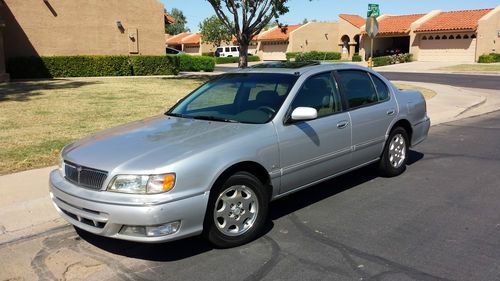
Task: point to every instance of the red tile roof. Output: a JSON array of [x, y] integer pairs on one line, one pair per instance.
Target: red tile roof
[[194, 38], [454, 20], [177, 39], [169, 18], [276, 34], [397, 24], [357, 21]]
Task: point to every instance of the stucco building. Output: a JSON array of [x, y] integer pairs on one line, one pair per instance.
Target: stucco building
[[82, 27], [190, 43], [460, 36]]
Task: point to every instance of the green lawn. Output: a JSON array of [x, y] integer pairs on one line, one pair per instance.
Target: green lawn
[[477, 67], [428, 93], [37, 118]]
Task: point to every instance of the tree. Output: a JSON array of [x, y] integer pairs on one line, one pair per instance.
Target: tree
[[214, 31], [246, 18], [179, 26]]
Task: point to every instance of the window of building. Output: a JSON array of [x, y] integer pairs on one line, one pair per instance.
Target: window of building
[[358, 87], [445, 37], [431, 38], [438, 37], [451, 37], [466, 36], [459, 37], [319, 92]]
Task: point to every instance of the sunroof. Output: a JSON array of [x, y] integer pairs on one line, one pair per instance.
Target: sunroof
[[286, 64]]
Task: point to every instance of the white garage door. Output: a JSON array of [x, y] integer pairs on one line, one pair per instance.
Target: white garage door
[[274, 51], [454, 50]]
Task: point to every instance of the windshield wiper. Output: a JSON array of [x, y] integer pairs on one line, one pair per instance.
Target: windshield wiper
[[213, 118], [176, 115]]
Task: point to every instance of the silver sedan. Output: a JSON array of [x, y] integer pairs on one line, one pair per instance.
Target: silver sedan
[[215, 160]]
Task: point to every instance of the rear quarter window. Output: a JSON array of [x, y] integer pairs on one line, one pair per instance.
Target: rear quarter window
[[382, 89]]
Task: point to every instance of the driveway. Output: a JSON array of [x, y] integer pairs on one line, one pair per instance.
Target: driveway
[[438, 221]]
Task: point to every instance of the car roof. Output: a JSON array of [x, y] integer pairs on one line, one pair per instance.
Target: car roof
[[296, 68]]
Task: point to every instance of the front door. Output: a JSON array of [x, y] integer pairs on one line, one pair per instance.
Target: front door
[[315, 149]]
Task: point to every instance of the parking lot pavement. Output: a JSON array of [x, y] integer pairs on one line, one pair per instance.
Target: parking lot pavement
[[440, 220]]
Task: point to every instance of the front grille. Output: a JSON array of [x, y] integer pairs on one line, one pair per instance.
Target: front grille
[[84, 176]]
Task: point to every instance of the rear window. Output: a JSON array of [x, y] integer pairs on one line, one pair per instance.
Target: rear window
[[382, 90]]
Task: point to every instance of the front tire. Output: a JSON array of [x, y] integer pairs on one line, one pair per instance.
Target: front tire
[[237, 211], [395, 154]]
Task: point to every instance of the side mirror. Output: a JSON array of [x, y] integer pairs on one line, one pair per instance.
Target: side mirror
[[304, 113]]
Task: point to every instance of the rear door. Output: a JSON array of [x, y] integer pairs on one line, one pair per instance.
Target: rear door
[[371, 109], [315, 149]]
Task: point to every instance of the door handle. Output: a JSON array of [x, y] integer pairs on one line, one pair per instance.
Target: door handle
[[391, 112], [342, 124]]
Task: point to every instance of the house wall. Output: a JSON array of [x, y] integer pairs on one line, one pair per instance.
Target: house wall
[[83, 27], [314, 36], [348, 29], [488, 37]]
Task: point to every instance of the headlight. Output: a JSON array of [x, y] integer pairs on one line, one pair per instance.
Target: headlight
[[138, 184], [61, 165]]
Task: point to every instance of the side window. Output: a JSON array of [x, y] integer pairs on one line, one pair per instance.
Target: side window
[[319, 92], [227, 49], [220, 50], [382, 89], [233, 49], [358, 87]]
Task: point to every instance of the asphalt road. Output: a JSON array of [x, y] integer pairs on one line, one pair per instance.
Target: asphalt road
[[490, 82], [440, 220]]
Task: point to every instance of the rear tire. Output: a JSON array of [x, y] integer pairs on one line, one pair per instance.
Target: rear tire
[[395, 154], [237, 211]]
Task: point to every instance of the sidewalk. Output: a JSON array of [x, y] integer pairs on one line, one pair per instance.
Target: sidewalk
[[26, 207]]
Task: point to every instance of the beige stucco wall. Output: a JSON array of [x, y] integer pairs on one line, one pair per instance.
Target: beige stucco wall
[[314, 36], [347, 29], [488, 37], [78, 27]]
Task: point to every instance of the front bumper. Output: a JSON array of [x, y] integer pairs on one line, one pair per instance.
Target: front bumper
[[108, 218]]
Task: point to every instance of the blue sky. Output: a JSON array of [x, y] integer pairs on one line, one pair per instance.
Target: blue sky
[[327, 10]]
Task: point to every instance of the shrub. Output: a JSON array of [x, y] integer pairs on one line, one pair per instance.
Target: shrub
[[68, 66], [196, 63], [155, 65], [314, 55], [292, 55], [381, 61], [490, 58], [223, 60], [393, 59], [356, 57], [208, 54]]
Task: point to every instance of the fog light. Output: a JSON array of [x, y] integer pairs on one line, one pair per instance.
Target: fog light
[[164, 229], [133, 230]]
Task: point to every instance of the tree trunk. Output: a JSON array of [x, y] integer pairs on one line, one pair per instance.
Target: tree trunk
[[243, 56]]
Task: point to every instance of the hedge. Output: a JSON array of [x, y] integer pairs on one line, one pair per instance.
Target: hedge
[[291, 55], [155, 65], [386, 60], [208, 54], [223, 60], [356, 57], [490, 58], [309, 56], [68, 66], [196, 63]]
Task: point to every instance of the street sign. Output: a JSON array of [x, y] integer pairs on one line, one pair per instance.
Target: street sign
[[371, 27], [373, 10]]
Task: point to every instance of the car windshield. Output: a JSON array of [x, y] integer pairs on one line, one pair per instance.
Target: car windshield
[[246, 98]]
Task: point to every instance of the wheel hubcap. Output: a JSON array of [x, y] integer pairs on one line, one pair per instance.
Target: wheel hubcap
[[397, 151], [236, 210]]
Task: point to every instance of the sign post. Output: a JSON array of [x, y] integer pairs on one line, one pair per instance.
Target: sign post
[[372, 27]]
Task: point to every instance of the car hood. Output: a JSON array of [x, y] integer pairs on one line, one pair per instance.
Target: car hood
[[146, 145]]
